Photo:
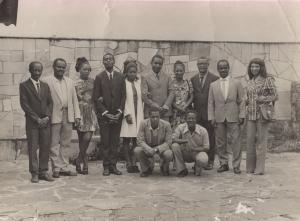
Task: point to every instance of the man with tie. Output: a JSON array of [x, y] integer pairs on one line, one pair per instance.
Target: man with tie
[[157, 90], [226, 111], [65, 113], [36, 102], [154, 138], [201, 83], [109, 96]]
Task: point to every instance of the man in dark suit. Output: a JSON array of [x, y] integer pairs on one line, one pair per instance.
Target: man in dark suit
[[36, 102], [201, 83], [109, 97]]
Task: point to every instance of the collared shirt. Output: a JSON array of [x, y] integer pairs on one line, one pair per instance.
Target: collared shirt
[[156, 75], [35, 83], [224, 86], [203, 78], [198, 140], [63, 90], [154, 136], [110, 74]]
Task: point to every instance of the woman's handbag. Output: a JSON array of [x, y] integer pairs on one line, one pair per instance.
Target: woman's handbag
[[267, 109]]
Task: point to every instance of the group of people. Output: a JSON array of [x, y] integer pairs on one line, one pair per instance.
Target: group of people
[[156, 116]]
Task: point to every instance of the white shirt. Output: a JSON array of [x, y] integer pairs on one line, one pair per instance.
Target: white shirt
[[35, 83], [224, 86], [110, 74], [63, 90]]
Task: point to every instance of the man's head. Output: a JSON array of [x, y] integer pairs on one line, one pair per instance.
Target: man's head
[[154, 118], [157, 63], [108, 61], [202, 64], [223, 68], [191, 119], [35, 69], [59, 67]]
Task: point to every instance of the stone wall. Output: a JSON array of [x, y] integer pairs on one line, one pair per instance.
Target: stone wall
[[282, 60]]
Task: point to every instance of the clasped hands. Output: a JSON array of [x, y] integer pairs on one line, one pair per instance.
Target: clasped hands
[[43, 122], [113, 118]]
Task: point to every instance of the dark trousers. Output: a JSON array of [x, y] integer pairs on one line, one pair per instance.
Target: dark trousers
[[212, 142], [129, 151], [110, 136], [38, 139]]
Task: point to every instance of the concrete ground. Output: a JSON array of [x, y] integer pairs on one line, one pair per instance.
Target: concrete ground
[[212, 197]]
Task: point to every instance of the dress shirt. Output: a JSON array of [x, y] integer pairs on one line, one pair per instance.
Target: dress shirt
[[35, 84], [203, 79], [225, 86], [63, 91]]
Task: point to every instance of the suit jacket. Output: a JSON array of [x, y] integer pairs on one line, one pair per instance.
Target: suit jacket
[[157, 91], [73, 107], [164, 135], [201, 94], [33, 105], [113, 94], [232, 108]]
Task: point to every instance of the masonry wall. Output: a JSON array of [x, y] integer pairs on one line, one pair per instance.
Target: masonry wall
[[282, 60]]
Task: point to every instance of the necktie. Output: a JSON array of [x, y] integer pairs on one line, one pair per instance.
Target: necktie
[[38, 88], [110, 76], [201, 82]]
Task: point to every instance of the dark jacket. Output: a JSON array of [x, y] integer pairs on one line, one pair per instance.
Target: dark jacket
[[33, 105]]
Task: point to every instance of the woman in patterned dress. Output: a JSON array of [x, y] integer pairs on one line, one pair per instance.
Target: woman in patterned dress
[[88, 124], [183, 94], [257, 128]]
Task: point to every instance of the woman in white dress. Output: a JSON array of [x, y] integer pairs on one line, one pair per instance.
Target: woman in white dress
[[133, 114]]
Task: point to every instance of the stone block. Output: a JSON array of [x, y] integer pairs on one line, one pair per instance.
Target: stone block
[[100, 43], [1, 105], [11, 44], [238, 68], [29, 49], [19, 124], [133, 46], [155, 44], [119, 59], [246, 53], [97, 54], [235, 49], [82, 52], [9, 90], [16, 56], [4, 55], [15, 103], [192, 66], [122, 48], [164, 45], [8, 151], [6, 79], [145, 44], [15, 67], [7, 105], [112, 44], [282, 84], [180, 48], [1, 67], [42, 50], [198, 50], [280, 67], [283, 106], [61, 52], [18, 78], [63, 43], [183, 58], [83, 43], [258, 51], [145, 55]]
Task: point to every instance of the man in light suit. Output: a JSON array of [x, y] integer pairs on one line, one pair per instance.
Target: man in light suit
[[36, 102], [109, 96], [157, 90], [154, 137], [201, 83], [65, 113], [226, 112]]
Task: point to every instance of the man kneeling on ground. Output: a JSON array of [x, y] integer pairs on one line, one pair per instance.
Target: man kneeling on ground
[[154, 137], [190, 144]]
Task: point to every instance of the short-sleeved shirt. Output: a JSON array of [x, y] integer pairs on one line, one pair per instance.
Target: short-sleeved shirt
[[197, 141]]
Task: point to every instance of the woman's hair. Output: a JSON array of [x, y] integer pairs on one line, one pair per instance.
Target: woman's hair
[[180, 63], [262, 70], [79, 62], [128, 64]]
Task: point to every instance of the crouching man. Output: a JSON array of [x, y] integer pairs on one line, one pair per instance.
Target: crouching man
[[154, 137], [190, 144]]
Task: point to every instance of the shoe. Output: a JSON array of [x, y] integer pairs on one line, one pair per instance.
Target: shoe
[[183, 173], [85, 171], [78, 166], [114, 170], [68, 173], [209, 166], [46, 177], [34, 178], [164, 171], [197, 171], [130, 169], [106, 172], [223, 168], [258, 173], [237, 170], [136, 169], [55, 174], [146, 173]]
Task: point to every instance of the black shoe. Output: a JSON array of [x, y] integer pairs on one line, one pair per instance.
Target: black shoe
[[85, 170], [130, 169], [146, 173], [34, 178], [46, 177], [136, 169], [223, 168], [237, 170], [164, 171], [78, 166], [183, 173], [106, 171], [114, 170], [209, 166], [68, 173], [55, 174]]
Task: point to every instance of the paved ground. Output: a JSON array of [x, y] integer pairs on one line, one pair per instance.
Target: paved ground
[[212, 197]]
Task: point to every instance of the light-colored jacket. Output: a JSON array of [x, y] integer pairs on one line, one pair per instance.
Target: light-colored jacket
[[73, 107], [131, 130], [232, 108]]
